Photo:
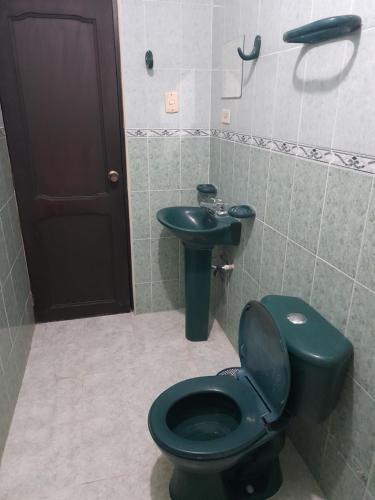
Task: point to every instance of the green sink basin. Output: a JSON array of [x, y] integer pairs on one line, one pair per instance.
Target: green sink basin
[[198, 227], [200, 230]]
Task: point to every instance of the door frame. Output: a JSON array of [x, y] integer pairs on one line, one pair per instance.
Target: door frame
[[116, 28], [124, 180]]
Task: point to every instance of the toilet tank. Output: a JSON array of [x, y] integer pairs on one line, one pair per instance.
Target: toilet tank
[[319, 356]]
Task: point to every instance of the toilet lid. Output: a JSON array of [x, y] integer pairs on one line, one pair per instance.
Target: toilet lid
[[264, 358]]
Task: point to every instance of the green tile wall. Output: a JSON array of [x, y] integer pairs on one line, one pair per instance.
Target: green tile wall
[[16, 314], [163, 172], [313, 238]]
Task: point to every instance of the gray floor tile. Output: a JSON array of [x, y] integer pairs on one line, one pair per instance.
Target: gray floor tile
[[81, 434]]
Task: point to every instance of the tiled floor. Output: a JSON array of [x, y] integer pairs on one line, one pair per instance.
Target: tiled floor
[[80, 426]]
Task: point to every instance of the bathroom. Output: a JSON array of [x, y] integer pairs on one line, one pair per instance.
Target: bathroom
[[113, 111]]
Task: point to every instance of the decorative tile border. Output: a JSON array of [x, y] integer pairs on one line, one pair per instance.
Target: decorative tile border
[[156, 132], [346, 159], [339, 158]]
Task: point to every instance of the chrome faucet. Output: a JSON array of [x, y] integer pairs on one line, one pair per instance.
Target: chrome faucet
[[215, 206]]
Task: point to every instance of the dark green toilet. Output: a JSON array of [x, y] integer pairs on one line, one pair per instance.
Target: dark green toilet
[[224, 433]]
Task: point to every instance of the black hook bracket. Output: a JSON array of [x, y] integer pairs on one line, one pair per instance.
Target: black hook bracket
[[254, 54]]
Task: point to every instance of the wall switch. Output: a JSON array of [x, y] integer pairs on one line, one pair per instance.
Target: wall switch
[[225, 116], [171, 102]]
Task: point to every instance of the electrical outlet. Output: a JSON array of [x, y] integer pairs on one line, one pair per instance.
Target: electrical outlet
[[171, 102], [225, 116]]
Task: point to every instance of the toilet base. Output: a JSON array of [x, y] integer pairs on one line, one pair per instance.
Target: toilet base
[[226, 485], [187, 486]]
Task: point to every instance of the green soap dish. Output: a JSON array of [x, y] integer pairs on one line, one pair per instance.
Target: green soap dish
[[241, 212], [207, 189]]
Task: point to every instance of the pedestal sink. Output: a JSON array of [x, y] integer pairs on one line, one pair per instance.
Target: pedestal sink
[[200, 230]]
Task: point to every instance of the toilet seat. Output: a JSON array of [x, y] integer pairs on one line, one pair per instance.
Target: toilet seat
[[250, 429]]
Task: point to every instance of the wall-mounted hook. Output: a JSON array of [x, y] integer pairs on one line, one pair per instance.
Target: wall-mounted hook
[[254, 54], [149, 59]]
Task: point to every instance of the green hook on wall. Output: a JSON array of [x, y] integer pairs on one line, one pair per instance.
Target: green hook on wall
[[254, 54], [149, 59]]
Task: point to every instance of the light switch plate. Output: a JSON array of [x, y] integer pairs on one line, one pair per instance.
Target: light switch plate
[[171, 102], [225, 116]]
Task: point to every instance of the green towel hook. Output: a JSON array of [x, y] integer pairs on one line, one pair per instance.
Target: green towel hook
[[149, 59], [254, 54]]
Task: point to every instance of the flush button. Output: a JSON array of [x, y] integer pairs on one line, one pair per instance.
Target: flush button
[[296, 318]]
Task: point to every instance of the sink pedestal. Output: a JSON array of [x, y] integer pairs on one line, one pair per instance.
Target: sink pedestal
[[197, 292], [200, 230]]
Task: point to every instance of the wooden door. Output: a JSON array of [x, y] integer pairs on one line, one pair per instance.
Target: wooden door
[[61, 100]]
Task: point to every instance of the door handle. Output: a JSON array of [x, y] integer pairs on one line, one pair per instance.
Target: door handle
[[113, 176]]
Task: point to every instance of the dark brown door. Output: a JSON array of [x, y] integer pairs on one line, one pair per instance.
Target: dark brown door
[[61, 100]]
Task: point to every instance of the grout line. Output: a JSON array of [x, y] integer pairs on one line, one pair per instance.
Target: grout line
[[180, 199], [11, 268], [289, 220], [5, 246], [8, 201], [336, 112], [211, 73], [274, 90], [163, 191], [267, 188], [232, 181], [370, 396], [320, 232], [345, 459], [325, 448], [367, 488], [302, 93], [359, 256], [249, 167], [317, 257], [371, 193], [2, 363], [156, 281], [156, 238], [149, 220], [264, 219]]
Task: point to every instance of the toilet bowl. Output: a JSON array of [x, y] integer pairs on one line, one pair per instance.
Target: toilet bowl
[[224, 433]]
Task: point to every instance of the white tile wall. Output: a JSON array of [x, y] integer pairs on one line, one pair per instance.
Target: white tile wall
[[320, 95], [293, 13], [355, 123], [365, 9], [288, 98], [196, 36], [158, 82], [179, 33], [195, 98], [163, 33], [324, 8], [264, 95], [269, 25], [323, 74]]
